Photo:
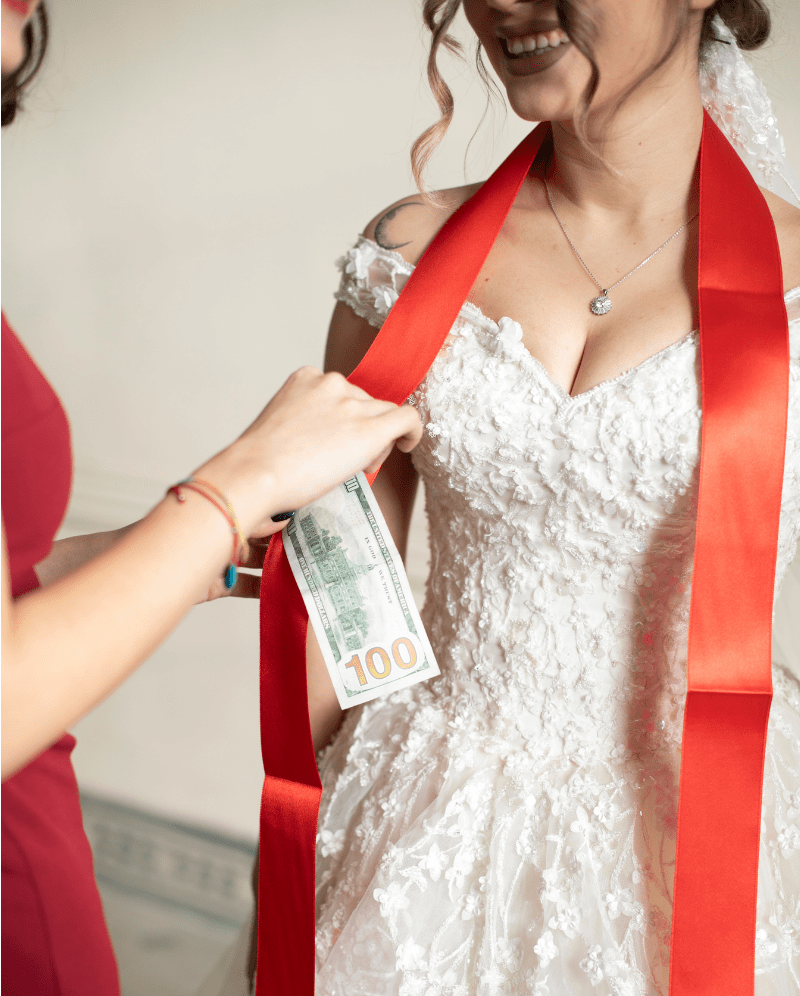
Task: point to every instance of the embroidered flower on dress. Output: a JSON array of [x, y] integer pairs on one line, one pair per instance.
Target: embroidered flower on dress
[[593, 964], [788, 839], [793, 799], [392, 899], [546, 949], [331, 843], [621, 902], [766, 947], [509, 953], [582, 825], [435, 862], [384, 298], [606, 811], [567, 921], [472, 905], [411, 957], [534, 987]]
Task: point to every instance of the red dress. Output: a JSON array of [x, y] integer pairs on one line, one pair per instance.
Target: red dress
[[55, 940]]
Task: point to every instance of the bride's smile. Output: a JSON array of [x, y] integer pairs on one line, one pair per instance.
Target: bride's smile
[[534, 51]]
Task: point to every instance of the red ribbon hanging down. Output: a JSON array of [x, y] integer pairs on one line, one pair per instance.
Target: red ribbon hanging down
[[744, 349], [392, 368]]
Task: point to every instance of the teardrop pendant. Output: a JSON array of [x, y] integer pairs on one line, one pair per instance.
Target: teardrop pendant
[[601, 305]]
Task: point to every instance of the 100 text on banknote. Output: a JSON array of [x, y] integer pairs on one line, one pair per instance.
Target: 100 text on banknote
[[357, 594]]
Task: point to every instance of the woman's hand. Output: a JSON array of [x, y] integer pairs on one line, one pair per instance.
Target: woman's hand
[[316, 432]]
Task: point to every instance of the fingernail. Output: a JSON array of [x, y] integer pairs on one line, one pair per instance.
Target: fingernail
[[230, 576], [282, 516]]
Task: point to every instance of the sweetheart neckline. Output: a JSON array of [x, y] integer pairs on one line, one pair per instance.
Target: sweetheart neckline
[[526, 356]]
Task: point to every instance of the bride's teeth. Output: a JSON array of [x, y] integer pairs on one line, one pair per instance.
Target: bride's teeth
[[538, 43]]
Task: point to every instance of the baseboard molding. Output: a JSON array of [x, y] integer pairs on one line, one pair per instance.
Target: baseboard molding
[[175, 863]]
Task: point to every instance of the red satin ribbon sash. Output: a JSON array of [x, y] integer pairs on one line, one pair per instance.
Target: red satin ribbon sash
[[744, 350], [744, 345]]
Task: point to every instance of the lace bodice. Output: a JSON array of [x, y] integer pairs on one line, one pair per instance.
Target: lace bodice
[[561, 528], [561, 536]]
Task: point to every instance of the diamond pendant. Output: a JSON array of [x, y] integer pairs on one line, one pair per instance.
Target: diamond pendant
[[601, 305]]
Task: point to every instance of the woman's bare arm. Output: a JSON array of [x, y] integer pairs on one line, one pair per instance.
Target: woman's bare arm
[[73, 552], [67, 646], [69, 554]]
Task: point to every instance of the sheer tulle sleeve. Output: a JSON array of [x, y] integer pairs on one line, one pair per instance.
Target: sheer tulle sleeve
[[372, 279]]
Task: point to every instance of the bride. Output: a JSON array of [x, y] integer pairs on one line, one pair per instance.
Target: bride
[[509, 828]]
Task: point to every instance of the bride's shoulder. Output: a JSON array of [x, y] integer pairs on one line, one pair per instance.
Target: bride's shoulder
[[406, 227], [409, 225], [787, 225]]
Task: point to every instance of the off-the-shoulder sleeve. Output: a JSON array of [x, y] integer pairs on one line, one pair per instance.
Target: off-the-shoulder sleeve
[[372, 279]]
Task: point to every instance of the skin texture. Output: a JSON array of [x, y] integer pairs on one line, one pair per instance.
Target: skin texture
[[619, 200]]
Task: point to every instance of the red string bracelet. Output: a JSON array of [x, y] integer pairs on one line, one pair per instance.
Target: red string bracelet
[[240, 546], [216, 491]]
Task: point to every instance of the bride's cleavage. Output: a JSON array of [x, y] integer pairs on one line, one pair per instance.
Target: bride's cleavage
[[594, 383]]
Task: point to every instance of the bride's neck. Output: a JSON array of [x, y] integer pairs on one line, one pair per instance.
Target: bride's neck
[[649, 152]]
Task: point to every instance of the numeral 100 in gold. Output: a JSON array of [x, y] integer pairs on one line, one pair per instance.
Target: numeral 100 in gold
[[378, 662]]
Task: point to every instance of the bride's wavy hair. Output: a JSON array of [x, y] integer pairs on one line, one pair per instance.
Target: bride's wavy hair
[[748, 20]]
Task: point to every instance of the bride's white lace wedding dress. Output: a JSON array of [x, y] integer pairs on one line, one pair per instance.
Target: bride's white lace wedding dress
[[509, 827]]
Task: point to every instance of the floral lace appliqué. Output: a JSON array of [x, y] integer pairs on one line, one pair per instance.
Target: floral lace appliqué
[[509, 828]]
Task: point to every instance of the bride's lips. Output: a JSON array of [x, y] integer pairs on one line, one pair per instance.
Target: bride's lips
[[528, 64], [21, 7]]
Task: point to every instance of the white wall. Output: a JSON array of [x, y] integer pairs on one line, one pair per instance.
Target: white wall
[[173, 202]]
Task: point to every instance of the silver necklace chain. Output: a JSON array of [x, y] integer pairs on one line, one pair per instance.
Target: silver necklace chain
[[602, 305]]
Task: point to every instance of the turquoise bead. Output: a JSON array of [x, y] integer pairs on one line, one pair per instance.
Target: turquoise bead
[[230, 576]]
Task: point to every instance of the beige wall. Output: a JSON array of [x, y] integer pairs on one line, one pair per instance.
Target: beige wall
[[173, 202]]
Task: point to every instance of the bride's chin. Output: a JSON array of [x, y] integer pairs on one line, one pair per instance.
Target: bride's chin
[[539, 100], [539, 107]]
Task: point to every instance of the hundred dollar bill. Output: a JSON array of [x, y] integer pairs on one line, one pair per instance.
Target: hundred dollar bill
[[357, 594]]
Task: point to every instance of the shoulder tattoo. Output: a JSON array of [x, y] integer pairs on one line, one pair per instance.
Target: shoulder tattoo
[[381, 236]]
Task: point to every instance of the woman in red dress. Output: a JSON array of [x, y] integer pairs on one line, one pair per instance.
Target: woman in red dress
[[107, 605]]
